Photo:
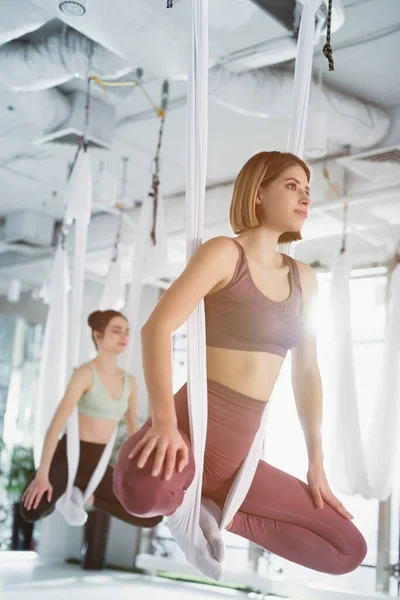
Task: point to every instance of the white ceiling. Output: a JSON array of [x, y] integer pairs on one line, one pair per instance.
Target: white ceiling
[[366, 49], [366, 52]]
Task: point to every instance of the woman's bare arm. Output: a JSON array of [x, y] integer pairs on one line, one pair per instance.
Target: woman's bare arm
[[307, 388], [131, 417], [213, 263], [80, 382], [306, 376]]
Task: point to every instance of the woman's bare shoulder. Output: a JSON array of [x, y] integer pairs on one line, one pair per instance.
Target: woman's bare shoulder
[[308, 278], [221, 245], [305, 269]]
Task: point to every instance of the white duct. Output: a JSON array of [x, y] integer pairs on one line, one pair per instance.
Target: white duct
[[268, 93], [230, 15], [46, 109], [55, 60], [263, 93], [17, 22]]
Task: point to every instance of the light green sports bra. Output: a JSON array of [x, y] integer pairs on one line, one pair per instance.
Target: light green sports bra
[[98, 403]]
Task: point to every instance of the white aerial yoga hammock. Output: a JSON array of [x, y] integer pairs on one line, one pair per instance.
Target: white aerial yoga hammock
[[301, 88], [145, 256], [348, 466], [71, 504], [113, 296], [79, 200], [384, 433], [302, 78], [184, 523], [357, 468], [53, 366]]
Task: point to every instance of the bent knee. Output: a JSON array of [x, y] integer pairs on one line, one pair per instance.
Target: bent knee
[[352, 558], [31, 516], [143, 494]]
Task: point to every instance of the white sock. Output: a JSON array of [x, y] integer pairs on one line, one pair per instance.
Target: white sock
[[204, 560], [210, 520]]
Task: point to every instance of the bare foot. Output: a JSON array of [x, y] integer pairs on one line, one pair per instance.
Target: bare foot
[[90, 500]]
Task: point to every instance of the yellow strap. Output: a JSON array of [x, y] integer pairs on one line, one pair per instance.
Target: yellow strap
[[103, 84]]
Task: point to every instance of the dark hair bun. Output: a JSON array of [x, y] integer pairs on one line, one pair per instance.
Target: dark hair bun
[[99, 319], [95, 320]]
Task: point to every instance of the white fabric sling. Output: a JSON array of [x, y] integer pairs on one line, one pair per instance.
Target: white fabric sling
[[79, 202], [301, 88], [184, 523], [53, 365], [385, 424], [357, 467], [72, 503], [143, 251], [302, 78], [348, 466], [113, 296]]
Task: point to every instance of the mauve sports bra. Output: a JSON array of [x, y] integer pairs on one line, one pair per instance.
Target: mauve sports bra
[[240, 317]]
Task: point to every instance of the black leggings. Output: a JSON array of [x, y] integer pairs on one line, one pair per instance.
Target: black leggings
[[104, 497]]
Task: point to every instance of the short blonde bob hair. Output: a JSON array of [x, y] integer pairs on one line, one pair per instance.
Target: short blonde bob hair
[[260, 170]]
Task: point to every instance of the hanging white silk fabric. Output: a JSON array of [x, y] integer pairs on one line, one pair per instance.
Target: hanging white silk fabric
[[302, 78], [147, 258], [382, 448], [113, 296], [357, 468], [348, 469], [79, 203], [53, 366], [184, 523], [142, 247], [301, 88]]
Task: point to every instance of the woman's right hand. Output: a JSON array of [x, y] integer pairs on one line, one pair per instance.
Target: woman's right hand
[[39, 486], [169, 445]]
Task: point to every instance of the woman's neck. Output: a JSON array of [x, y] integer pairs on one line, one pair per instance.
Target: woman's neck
[[106, 362], [261, 245]]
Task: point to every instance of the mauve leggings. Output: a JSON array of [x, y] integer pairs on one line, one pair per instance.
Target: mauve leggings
[[278, 513]]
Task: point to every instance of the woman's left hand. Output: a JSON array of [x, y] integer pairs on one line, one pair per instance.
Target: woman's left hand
[[321, 491]]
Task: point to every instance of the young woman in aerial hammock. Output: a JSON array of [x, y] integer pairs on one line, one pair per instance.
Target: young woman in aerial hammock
[[257, 307], [103, 394]]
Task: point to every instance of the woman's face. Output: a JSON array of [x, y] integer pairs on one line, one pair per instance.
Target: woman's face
[[116, 336], [283, 204]]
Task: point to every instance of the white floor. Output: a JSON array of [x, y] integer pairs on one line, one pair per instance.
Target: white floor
[[24, 575]]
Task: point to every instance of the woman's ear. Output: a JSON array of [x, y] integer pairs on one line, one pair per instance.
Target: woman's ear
[[258, 197]]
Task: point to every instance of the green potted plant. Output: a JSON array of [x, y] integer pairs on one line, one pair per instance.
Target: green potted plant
[[22, 469]]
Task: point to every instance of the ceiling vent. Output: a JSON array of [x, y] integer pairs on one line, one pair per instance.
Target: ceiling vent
[[26, 229], [287, 12], [70, 133], [380, 165]]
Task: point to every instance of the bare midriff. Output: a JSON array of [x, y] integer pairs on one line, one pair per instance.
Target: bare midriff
[[253, 374], [94, 430]]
